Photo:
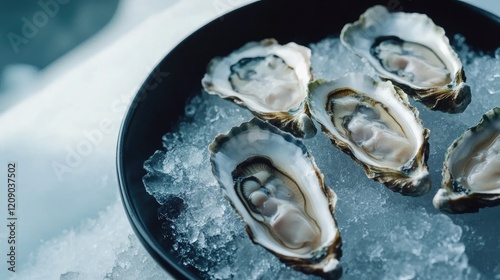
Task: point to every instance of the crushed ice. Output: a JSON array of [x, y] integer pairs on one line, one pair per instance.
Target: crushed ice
[[385, 235], [102, 248]]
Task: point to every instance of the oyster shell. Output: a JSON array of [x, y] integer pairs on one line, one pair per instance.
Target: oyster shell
[[471, 169], [272, 182], [412, 52], [373, 123], [269, 79]]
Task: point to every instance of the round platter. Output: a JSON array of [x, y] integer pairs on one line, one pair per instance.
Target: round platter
[[157, 106]]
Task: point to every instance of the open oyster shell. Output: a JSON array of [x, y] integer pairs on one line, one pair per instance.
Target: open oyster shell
[[412, 52], [269, 79], [471, 169], [374, 123], [272, 182]]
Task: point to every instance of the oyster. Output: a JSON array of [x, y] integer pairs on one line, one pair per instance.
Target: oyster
[[269, 79], [412, 52], [471, 171], [272, 182], [373, 123]]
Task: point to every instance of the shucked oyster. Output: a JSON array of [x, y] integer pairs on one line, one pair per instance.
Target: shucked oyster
[[471, 172], [268, 78], [272, 182], [412, 52], [374, 124]]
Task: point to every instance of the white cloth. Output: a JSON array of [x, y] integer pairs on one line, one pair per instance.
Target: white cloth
[[64, 137]]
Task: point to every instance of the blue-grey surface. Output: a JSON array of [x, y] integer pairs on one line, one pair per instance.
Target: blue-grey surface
[[39, 32]]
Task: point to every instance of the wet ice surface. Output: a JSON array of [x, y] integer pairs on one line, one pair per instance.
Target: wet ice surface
[[385, 235]]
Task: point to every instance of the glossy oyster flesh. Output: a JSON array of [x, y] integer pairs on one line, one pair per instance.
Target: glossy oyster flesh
[[412, 52], [269, 79], [273, 183], [471, 170], [373, 123]]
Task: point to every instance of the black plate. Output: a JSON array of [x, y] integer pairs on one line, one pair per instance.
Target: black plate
[[160, 102]]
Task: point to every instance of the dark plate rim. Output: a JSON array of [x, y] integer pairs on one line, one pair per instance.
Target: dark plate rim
[[133, 214]]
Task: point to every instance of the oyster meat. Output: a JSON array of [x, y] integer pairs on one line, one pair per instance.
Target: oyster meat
[[374, 123], [272, 182], [269, 79], [412, 52], [471, 170]]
